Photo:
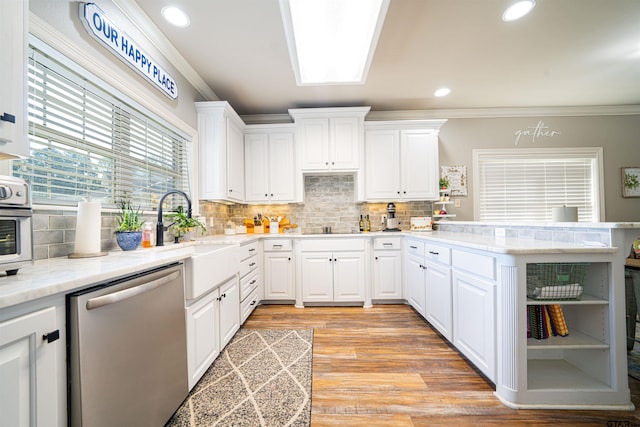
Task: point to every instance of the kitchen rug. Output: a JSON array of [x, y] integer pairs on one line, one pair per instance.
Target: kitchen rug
[[262, 378]]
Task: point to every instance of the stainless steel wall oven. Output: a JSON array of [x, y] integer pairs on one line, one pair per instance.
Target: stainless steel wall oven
[[16, 245]]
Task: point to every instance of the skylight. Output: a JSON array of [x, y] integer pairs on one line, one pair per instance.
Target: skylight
[[332, 41]]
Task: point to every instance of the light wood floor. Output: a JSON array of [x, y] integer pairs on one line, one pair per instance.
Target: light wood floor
[[385, 366]]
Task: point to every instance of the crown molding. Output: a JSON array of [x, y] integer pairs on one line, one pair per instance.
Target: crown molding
[[142, 22], [474, 113]]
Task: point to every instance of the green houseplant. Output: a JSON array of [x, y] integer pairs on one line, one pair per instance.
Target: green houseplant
[[128, 224], [182, 224], [444, 183]]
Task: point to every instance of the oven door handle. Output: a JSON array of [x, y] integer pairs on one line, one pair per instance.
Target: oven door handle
[[124, 294]]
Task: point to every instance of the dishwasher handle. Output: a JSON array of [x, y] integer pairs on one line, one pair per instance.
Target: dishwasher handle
[[124, 294]]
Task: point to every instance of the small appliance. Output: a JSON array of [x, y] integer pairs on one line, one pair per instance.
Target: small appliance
[[16, 249], [392, 221]]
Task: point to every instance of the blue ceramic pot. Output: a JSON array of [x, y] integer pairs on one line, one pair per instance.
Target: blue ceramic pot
[[128, 240]]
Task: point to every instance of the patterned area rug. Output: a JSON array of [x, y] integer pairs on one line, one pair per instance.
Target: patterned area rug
[[262, 378]]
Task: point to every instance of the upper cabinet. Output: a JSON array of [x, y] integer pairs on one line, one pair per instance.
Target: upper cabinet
[[402, 160], [14, 141], [330, 139], [269, 163], [220, 152]]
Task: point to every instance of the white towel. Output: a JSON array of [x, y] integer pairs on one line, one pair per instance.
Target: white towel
[[564, 291]]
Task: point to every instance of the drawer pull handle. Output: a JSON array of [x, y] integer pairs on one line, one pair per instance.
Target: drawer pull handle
[[253, 281], [51, 336], [277, 246], [434, 253], [252, 264], [252, 249], [253, 302], [387, 244], [413, 247]]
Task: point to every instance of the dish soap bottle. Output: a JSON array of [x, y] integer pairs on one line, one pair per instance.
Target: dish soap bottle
[[147, 233]]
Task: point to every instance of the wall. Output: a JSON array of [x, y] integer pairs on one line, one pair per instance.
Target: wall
[[618, 135]]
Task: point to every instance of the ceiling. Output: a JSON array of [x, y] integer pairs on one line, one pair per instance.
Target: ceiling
[[564, 53]]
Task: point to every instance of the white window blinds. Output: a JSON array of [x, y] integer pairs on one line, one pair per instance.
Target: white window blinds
[[88, 141], [524, 185]]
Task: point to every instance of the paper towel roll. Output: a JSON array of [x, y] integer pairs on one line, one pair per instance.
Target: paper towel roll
[[564, 214], [88, 228]]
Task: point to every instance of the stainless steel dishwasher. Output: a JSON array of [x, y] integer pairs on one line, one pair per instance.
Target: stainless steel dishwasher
[[127, 351]]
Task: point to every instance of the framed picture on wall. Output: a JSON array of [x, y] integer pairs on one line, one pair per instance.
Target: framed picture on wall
[[631, 182]]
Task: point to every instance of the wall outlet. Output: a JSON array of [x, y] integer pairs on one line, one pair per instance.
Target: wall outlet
[[210, 221], [456, 203], [500, 232], [383, 219]]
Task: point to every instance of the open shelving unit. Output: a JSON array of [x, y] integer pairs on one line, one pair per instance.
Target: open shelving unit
[[444, 193]]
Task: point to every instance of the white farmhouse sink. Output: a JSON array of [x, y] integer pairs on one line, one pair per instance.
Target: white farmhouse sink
[[209, 266]]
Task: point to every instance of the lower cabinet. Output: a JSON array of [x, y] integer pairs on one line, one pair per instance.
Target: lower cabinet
[[439, 298], [387, 268], [278, 270], [211, 323], [474, 321], [29, 369], [333, 276], [415, 277]]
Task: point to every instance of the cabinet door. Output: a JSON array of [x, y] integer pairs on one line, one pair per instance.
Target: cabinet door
[[13, 91], [281, 167], [29, 384], [317, 276], [415, 280], [202, 336], [382, 154], [419, 165], [474, 321], [229, 311], [439, 299], [314, 143], [235, 162], [256, 167], [387, 275], [348, 276], [278, 276], [343, 143]]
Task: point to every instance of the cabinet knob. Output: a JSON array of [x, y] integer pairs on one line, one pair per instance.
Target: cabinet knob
[[398, 192], [326, 163], [289, 258], [51, 336], [271, 194], [376, 258], [6, 117], [333, 163], [404, 192], [230, 190], [266, 195]]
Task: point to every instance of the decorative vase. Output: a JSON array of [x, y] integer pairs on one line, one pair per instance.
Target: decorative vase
[[128, 240]]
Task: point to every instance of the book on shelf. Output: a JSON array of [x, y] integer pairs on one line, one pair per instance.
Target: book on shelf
[[544, 321]]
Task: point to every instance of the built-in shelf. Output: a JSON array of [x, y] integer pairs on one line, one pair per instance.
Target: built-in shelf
[[575, 340], [584, 300], [558, 374]]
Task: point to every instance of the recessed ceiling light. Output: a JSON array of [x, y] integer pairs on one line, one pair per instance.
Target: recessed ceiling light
[[175, 16], [443, 91], [332, 42], [517, 10]]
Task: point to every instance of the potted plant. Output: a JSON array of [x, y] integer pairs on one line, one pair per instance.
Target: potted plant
[[444, 183], [129, 224], [182, 225]]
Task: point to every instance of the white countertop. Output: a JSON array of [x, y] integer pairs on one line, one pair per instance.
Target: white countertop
[[62, 275]]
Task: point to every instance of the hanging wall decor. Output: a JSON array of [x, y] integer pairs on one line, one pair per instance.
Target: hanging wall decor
[[631, 182], [457, 176]]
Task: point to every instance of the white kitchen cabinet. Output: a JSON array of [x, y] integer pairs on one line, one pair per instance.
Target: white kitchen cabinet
[[278, 270], [250, 278], [401, 164], [474, 320], [13, 73], [333, 270], [30, 370], [439, 298], [220, 152], [330, 139], [387, 268], [229, 310], [269, 164], [415, 275], [203, 335]]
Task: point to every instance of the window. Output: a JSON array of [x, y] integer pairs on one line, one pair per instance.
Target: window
[[88, 141], [524, 185]]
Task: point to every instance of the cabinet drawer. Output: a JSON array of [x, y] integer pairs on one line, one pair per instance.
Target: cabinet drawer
[[387, 243], [249, 250], [278, 245], [248, 265], [247, 284], [248, 305], [437, 253], [414, 247], [481, 265], [330, 245]]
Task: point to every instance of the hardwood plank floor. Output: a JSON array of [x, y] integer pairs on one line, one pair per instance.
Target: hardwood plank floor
[[386, 366]]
